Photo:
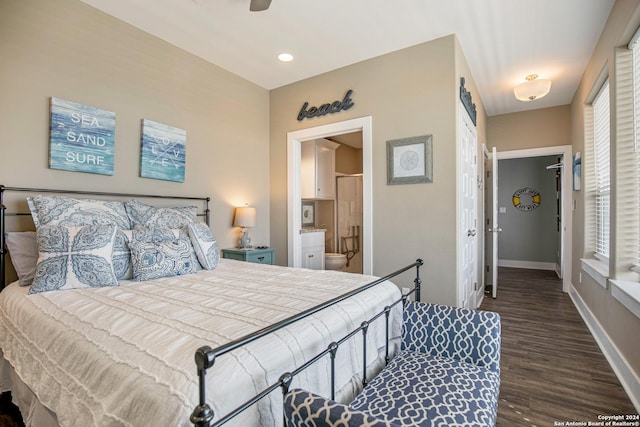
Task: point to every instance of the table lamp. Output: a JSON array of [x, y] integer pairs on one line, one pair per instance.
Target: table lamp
[[245, 217]]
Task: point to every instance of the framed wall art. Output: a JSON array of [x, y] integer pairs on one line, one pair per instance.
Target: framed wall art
[[410, 160], [308, 214], [81, 138], [163, 151], [577, 171]]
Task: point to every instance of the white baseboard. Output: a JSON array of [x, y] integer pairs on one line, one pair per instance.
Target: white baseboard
[[532, 265], [627, 377]]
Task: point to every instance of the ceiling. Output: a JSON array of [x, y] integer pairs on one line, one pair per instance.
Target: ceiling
[[503, 40]]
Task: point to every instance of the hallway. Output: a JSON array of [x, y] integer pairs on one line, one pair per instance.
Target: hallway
[[552, 370]]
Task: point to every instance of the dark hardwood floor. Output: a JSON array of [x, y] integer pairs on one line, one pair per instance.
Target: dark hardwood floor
[[552, 370], [9, 413]]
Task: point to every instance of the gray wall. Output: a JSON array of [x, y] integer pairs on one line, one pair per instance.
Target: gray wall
[[620, 324], [410, 92], [527, 235], [69, 50]]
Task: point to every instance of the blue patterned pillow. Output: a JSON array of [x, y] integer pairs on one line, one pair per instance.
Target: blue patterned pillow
[[153, 259], [74, 258], [161, 234], [59, 210], [151, 216], [205, 245], [122, 255]]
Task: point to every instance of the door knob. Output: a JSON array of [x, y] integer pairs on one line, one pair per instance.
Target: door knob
[[471, 233]]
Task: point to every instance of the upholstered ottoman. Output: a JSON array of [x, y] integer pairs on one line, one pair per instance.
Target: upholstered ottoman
[[446, 374]]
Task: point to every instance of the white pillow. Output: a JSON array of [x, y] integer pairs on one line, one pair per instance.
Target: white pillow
[[74, 257], [205, 245], [23, 249]]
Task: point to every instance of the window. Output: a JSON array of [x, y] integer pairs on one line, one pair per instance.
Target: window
[[626, 238], [629, 176], [601, 171]]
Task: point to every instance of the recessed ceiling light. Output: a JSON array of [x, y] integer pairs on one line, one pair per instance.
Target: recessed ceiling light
[[285, 57]]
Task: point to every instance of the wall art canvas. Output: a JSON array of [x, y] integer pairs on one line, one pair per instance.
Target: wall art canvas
[[410, 160], [81, 138], [577, 171], [163, 151]]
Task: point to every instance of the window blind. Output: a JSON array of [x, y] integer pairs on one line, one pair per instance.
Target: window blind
[[630, 181], [602, 175], [627, 168]]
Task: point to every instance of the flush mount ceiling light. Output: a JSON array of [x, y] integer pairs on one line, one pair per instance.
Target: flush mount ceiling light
[[285, 57], [533, 88], [259, 5]]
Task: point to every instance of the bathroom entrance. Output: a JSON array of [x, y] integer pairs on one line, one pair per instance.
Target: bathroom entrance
[[331, 179], [355, 162]]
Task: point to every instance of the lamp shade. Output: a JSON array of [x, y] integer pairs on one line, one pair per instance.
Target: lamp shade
[[245, 217], [533, 88]]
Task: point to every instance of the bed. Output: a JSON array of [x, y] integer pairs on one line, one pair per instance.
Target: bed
[[123, 354]]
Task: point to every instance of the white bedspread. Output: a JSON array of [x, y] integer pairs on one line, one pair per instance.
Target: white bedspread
[[124, 356]]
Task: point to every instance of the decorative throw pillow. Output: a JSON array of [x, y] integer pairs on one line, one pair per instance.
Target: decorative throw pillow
[[205, 245], [23, 249], [161, 234], [122, 255], [60, 210], [151, 216], [74, 257], [163, 258]]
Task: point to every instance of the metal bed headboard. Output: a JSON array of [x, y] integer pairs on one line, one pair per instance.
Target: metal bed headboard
[[206, 213]]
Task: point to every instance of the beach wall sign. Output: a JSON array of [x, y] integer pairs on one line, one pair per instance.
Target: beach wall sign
[[163, 151], [81, 138]]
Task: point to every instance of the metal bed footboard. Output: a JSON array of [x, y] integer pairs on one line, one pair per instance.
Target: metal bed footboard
[[205, 357]]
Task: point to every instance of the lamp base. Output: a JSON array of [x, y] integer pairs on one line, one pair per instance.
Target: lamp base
[[245, 240]]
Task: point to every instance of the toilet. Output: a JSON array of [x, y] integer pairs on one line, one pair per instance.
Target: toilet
[[334, 261]]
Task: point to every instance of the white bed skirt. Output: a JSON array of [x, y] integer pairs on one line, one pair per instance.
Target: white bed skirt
[[34, 414]]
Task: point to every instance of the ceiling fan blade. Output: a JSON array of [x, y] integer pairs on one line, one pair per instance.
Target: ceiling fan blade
[[259, 5]]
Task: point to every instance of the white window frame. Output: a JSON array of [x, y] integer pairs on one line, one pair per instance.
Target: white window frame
[[631, 179], [624, 284], [602, 172]]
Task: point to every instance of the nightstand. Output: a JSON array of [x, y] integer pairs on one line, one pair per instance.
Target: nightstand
[[258, 256]]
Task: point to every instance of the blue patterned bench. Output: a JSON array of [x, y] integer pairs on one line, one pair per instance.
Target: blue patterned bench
[[447, 373]]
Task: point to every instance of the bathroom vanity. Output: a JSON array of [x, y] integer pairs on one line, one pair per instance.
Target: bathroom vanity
[[312, 240]]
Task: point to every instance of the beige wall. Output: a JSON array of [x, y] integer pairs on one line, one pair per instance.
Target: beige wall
[[619, 323], [71, 51], [410, 92], [348, 160], [545, 127]]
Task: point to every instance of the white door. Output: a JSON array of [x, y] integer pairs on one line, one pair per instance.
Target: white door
[[468, 194], [495, 227], [491, 194]]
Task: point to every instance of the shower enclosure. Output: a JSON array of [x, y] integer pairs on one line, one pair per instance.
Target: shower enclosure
[[349, 220]]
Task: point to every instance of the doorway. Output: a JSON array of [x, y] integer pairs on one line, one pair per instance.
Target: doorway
[[294, 203], [559, 154]]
